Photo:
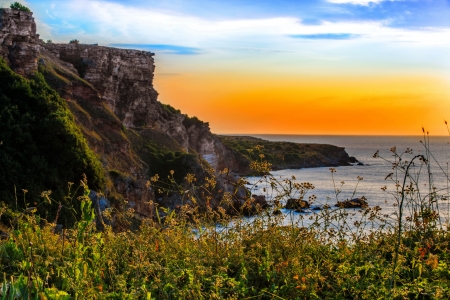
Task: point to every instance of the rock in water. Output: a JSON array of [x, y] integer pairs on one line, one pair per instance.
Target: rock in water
[[353, 203], [297, 204]]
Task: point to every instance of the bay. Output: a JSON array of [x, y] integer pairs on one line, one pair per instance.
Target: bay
[[374, 186]]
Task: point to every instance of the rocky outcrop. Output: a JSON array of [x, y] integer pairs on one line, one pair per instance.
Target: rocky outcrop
[[353, 203], [123, 79], [296, 204], [19, 43]]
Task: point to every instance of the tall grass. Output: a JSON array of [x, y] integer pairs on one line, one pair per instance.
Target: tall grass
[[199, 252]]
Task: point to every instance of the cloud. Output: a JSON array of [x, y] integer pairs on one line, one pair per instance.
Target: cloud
[[259, 50], [48, 14], [168, 49], [170, 32], [357, 2], [326, 36]]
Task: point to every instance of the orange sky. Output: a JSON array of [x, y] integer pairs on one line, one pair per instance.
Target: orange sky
[[260, 102]]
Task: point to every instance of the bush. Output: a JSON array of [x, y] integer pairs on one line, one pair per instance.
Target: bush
[[74, 41], [42, 148], [192, 121], [18, 6]]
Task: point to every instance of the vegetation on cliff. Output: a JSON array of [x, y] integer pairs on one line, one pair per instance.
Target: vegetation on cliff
[[42, 149], [18, 6], [288, 155]]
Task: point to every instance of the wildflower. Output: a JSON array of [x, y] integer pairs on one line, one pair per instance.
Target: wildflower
[[190, 178]]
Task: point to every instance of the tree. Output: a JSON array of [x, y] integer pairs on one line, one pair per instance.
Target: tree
[[18, 6]]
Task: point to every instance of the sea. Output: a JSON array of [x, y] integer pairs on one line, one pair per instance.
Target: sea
[[375, 178]]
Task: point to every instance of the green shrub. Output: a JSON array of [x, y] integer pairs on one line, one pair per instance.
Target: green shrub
[[74, 41], [41, 146], [192, 121], [170, 109], [18, 6]]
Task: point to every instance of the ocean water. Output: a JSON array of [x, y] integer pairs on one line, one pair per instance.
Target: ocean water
[[373, 171]]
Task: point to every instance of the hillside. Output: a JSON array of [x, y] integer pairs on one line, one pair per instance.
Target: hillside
[[287, 155]]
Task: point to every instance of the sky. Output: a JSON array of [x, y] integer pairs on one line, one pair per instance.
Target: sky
[[347, 67]]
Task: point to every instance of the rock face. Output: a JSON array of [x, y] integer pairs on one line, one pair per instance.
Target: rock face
[[18, 40], [123, 78], [124, 81]]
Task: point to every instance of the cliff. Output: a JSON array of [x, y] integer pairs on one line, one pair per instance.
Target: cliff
[[111, 95], [110, 92], [287, 155]]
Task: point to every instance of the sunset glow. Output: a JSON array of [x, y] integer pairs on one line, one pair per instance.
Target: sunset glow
[[318, 105]]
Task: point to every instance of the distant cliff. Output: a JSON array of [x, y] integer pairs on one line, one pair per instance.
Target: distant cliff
[[287, 155], [111, 95]]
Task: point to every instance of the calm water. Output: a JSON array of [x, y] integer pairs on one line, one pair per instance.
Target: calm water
[[374, 170]]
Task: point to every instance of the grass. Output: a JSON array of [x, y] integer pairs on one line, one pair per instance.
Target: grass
[[193, 253]]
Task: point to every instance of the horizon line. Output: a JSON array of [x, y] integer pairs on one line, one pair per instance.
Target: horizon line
[[326, 134]]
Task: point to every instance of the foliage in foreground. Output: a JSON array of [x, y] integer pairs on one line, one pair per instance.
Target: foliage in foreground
[[209, 256]]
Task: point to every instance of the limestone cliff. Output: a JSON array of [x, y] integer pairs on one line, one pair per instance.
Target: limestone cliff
[[18, 40], [110, 92], [124, 81]]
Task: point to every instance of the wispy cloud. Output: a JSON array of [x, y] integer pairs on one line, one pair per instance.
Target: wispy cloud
[[358, 2], [163, 48], [326, 36], [112, 23]]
